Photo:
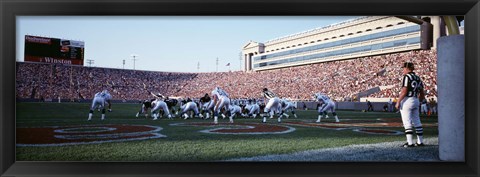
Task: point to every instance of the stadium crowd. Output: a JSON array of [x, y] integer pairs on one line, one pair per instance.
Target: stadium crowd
[[341, 80]]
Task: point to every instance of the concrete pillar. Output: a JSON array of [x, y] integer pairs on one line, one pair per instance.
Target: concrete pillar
[[245, 65], [435, 21], [451, 97], [247, 59]]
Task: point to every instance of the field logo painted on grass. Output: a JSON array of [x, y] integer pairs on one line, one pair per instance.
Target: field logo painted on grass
[[378, 131], [361, 125], [85, 134], [240, 129], [317, 125]]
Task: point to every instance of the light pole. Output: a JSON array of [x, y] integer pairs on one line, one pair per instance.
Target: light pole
[[240, 58], [124, 64], [90, 62], [217, 64], [134, 59]]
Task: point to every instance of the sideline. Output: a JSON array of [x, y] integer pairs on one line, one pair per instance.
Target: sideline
[[388, 151]]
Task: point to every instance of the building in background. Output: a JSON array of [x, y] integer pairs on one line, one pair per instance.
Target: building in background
[[360, 37]]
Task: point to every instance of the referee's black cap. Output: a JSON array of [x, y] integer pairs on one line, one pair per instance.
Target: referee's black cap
[[408, 65], [265, 89]]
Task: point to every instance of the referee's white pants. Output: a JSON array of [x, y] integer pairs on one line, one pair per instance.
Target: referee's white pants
[[410, 113], [273, 104]]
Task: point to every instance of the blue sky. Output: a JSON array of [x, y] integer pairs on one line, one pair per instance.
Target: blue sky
[[166, 43]]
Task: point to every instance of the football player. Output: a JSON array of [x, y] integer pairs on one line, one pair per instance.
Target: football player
[[288, 106], [189, 105], [252, 109], [326, 104], [159, 104], [207, 105], [171, 103], [234, 110], [220, 100], [146, 104], [99, 101]]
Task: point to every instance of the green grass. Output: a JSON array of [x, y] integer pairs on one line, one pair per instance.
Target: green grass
[[186, 143]]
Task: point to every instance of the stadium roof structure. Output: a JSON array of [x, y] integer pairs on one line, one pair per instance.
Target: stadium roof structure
[[319, 29]]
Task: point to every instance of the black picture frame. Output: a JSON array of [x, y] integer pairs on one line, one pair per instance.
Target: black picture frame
[[10, 9]]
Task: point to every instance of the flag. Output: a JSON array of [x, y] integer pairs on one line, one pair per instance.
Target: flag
[[228, 64]]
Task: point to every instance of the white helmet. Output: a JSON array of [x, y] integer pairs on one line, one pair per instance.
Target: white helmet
[[159, 95]]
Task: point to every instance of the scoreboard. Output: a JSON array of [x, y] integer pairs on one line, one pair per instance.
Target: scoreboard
[[54, 50]]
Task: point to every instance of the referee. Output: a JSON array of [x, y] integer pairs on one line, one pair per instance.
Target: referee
[[408, 104], [273, 102]]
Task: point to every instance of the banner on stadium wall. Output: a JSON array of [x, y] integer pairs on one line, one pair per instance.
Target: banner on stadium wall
[[54, 50]]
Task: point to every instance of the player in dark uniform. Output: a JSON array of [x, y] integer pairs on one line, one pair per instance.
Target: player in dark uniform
[[205, 98], [146, 104], [408, 104], [171, 103], [262, 106], [206, 104]]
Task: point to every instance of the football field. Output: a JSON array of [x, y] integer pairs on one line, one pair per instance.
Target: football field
[[61, 132]]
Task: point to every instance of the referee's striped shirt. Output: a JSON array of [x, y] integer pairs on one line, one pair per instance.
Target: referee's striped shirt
[[269, 94], [413, 83]]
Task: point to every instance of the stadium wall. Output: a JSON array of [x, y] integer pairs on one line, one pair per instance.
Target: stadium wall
[[354, 106]]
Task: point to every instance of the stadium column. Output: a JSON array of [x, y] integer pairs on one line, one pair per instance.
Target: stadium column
[[245, 58], [435, 21], [249, 58], [451, 97], [248, 61]]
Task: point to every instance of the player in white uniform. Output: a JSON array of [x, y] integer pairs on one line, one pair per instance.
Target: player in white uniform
[[190, 106], [234, 110], [326, 105], [207, 107], [99, 102], [220, 99], [272, 105], [288, 106], [108, 99], [252, 109], [159, 104]]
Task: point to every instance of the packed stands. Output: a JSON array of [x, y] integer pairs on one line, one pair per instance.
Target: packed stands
[[342, 80]]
